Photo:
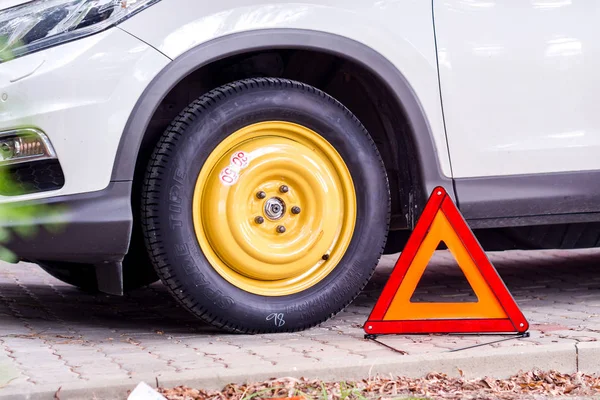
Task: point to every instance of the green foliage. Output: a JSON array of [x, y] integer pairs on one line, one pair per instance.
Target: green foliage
[[6, 49], [21, 216]]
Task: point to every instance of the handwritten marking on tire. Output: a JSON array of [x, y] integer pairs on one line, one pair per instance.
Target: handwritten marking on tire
[[230, 174], [277, 319]]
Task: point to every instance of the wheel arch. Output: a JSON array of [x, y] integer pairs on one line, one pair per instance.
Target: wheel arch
[[425, 172]]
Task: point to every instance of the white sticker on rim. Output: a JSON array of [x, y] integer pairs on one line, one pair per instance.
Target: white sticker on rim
[[230, 174]]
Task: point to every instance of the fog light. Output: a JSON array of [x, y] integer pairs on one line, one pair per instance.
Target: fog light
[[24, 145]]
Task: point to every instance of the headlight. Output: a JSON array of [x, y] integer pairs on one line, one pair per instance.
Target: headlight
[[40, 24]]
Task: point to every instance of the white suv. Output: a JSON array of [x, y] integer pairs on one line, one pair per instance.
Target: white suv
[[258, 157]]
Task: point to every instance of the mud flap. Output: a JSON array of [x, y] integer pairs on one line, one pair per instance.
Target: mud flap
[[110, 277]]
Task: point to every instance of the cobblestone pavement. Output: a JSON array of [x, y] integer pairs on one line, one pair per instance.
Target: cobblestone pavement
[[53, 335]]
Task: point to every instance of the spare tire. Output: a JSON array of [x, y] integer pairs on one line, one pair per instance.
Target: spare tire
[[265, 206]]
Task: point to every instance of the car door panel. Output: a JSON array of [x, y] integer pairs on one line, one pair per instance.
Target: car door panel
[[518, 84]]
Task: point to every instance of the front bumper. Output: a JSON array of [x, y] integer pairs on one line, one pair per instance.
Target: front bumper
[[89, 228]]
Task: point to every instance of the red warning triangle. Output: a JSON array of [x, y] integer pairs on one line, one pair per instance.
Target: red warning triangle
[[495, 311]]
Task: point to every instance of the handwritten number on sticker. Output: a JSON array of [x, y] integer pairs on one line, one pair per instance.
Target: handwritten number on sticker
[[239, 159], [277, 319], [230, 174]]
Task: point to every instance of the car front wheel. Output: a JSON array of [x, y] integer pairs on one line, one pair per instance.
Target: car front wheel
[[265, 206]]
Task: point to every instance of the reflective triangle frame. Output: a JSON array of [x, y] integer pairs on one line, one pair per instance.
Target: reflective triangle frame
[[495, 311]]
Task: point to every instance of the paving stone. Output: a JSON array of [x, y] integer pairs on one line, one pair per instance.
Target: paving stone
[[328, 356], [356, 346], [272, 350], [9, 371]]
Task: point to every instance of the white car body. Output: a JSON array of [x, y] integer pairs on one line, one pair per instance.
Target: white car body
[[505, 90]]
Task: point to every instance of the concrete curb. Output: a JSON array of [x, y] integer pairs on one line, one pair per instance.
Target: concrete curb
[[474, 363], [588, 357]]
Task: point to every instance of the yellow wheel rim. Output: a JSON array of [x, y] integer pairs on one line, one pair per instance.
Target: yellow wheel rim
[[241, 204]]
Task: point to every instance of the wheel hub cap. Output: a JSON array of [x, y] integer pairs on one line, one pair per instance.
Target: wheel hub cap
[[274, 208]]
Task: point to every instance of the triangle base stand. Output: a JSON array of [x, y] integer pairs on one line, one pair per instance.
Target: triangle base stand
[[512, 336]]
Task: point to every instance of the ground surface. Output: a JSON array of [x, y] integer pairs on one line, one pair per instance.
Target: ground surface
[[52, 335]]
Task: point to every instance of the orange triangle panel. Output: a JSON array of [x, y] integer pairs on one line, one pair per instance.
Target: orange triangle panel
[[495, 311]]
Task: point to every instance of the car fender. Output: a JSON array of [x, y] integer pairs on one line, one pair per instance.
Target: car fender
[[401, 55]]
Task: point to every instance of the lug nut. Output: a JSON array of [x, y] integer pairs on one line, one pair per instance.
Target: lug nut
[[295, 210], [261, 195], [284, 189], [325, 257], [280, 228], [259, 220]]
